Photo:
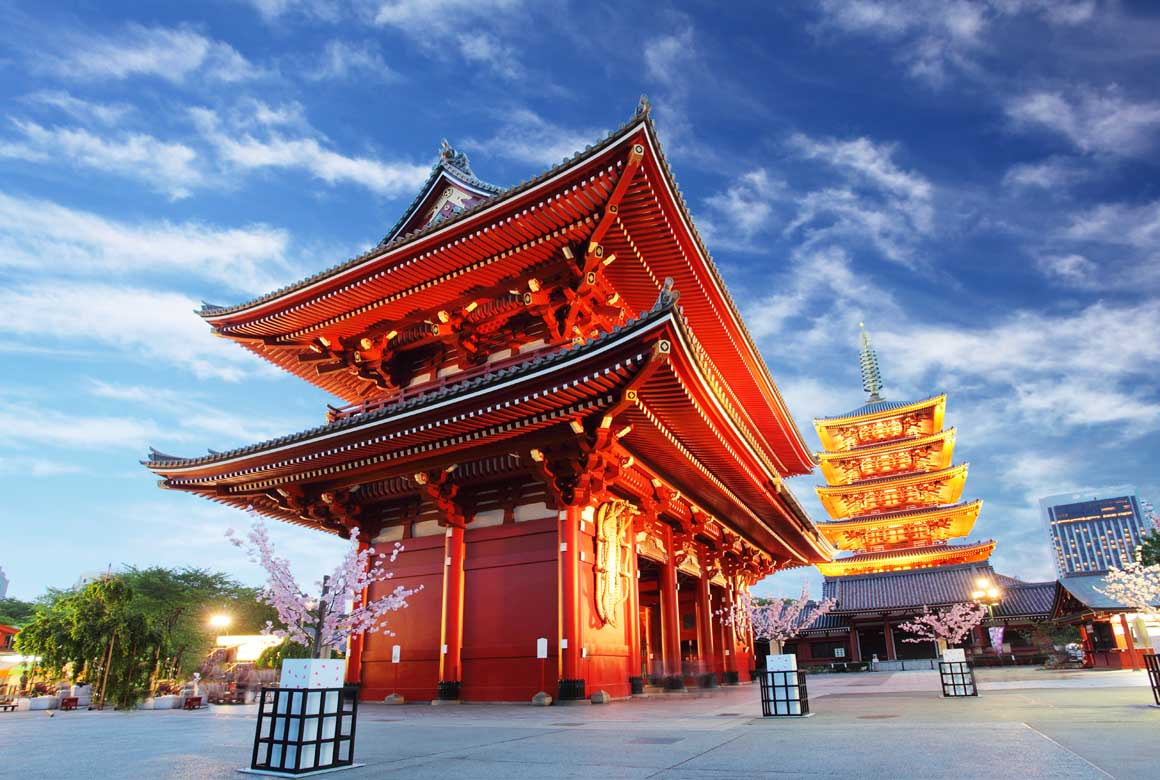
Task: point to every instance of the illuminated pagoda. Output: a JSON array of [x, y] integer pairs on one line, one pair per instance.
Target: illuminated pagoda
[[892, 489], [894, 495], [550, 399]]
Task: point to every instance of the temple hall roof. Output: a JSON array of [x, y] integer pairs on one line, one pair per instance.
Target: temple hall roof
[[1084, 588], [905, 589]]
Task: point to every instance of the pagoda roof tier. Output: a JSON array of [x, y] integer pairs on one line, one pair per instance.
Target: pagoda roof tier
[[611, 216], [643, 381], [894, 493], [911, 558], [937, 524], [843, 432], [922, 453]]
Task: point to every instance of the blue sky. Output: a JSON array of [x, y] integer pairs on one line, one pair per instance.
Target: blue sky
[[975, 180]]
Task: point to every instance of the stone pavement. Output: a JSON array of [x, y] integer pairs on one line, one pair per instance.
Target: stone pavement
[[884, 725]]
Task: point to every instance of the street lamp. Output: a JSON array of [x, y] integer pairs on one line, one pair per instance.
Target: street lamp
[[987, 594], [221, 620]]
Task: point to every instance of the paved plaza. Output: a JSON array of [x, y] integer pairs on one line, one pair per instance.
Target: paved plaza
[[1026, 724]]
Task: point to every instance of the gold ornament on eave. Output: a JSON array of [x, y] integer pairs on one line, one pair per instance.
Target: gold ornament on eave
[[613, 568]]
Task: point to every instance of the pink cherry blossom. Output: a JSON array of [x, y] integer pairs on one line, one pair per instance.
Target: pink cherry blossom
[[344, 607], [950, 624]]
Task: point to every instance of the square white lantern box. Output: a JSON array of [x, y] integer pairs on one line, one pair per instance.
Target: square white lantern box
[[783, 684], [309, 673], [955, 655]]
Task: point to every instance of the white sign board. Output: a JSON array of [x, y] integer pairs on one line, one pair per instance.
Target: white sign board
[[953, 654], [839, 652], [784, 662], [542, 647], [396, 653]]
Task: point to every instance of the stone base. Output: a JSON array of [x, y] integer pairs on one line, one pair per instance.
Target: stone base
[[541, 699], [600, 697], [395, 698], [445, 702]]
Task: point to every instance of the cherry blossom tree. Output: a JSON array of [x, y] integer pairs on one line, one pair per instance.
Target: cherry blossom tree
[[947, 625], [1136, 585], [779, 620], [325, 622]]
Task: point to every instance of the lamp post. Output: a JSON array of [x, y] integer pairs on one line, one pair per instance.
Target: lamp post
[[989, 595]]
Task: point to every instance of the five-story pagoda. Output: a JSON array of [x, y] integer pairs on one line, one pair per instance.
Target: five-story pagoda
[[891, 487]]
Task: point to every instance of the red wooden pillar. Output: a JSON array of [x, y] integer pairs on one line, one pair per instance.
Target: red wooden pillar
[[891, 654], [632, 606], [855, 645], [704, 624], [1086, 642], [670, 612], [1129, 644], [570, 592], [451, 633]]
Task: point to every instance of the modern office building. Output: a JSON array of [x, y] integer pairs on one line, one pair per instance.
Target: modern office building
[[3, 584], [1093, 530]]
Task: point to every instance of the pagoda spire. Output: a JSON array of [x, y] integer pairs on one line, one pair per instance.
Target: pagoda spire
[[871, 375]]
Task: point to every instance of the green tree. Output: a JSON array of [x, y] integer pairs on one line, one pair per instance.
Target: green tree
[[14, 612], [1150, 549], [272, 657], [149, 622]]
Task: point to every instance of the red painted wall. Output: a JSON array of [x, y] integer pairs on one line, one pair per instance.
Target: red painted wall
[[510, 601], [416, 627]]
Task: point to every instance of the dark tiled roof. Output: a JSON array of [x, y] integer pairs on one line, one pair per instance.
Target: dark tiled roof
[[665, 304], [937, 586], [828, 622], [1024, 599], [874, 408], [453, 164], [901, 590], [1083, 587]]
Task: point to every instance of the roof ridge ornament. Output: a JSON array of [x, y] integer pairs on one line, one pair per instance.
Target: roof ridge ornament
[[643, 107], [871, 375], [449, 155], [668, 296]]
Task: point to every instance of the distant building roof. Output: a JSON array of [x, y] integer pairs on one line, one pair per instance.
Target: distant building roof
[[1025, 599], [1084, 589]]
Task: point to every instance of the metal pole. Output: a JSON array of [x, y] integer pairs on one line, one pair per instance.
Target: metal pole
[[105, 676]]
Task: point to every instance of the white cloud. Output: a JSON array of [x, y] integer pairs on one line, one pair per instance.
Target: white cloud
[[1093, 120], [84, 111], [243, 149], [483, 48], [150, 326], [1053, 174], [1116, 223], [742, 211], [666, 57], [52, 428], [166, 167], [188, 413], [173, 54], [23, 467], [936, 39], [868, 161], [472, 28], [1070, 269], [439, 17], [36, 233], [527, 137], [343, 60]]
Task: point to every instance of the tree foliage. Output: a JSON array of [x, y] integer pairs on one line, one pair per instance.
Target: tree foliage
[[151, 623], [272, 657], [14, 612], [1150, 549]]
